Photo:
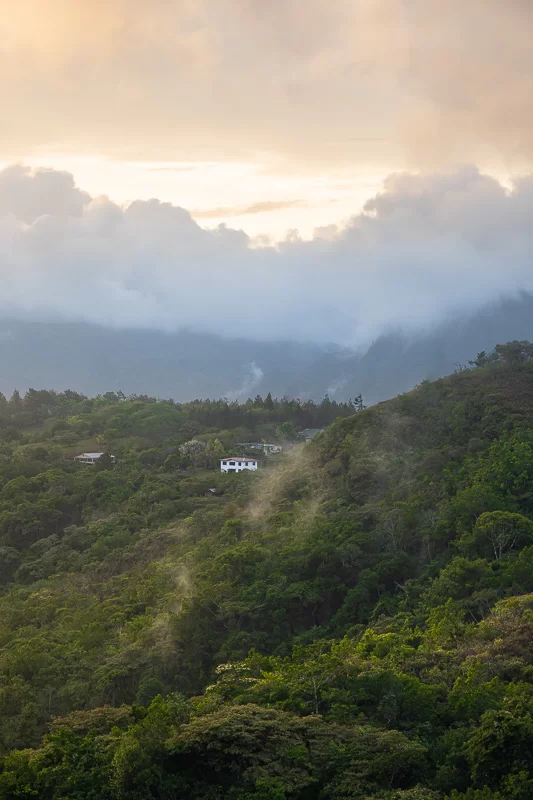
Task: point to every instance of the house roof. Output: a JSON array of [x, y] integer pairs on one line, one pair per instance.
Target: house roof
[[238, 458], [310, 431], [90, 455], [255, 444]]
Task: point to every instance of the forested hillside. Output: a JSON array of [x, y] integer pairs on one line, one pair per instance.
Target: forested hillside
[[353, 621]]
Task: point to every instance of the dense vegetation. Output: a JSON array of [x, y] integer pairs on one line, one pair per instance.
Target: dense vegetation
[[354, 621]]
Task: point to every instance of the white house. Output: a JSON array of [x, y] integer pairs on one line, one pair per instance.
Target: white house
[[234, 464], [91, 458], [266, 448]]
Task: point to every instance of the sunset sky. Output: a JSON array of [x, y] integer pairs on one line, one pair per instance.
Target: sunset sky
[[268, 115], [359, 165]]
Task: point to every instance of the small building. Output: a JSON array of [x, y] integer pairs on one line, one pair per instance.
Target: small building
[[308, 434], [266, 448], [238, 464], [92, 458]]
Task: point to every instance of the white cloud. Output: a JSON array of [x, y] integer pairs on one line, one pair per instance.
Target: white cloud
[[424, 249], [30, 194]]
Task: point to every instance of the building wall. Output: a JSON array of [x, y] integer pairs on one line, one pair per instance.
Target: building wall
[[230, 465], [83, 460]]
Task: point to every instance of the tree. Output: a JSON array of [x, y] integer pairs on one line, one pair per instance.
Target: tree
[[496, 533], [15, 402], [9, 561], [104, 462], [514, 352], [242, 750], [286, 432], [503, 742], [358, 402], [218, 448], [141, 760], [67, 766], [475, 794], [483, 359]]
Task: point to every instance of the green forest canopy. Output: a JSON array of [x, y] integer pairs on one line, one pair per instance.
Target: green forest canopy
[[353, 621]]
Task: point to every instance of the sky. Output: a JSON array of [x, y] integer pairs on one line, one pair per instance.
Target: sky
[[295, 125]]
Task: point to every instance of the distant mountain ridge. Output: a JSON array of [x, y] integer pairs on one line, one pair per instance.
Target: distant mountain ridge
[[186, 365]]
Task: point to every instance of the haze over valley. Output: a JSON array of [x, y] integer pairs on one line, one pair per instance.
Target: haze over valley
[[184, 365]]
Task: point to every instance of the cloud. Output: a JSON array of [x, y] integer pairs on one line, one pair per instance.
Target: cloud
[[174, 168], [427, 248], [29, 194], [470, 69], [263, 207], [254, 376], [325, 82]]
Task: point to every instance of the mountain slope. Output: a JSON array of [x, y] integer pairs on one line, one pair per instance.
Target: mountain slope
[[186, 365], [354, 622]]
